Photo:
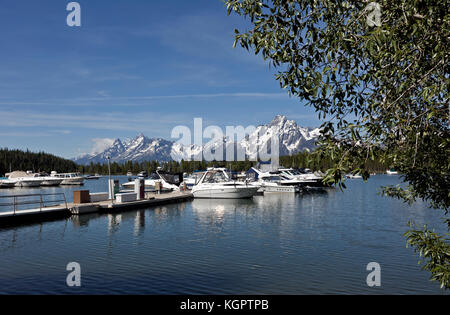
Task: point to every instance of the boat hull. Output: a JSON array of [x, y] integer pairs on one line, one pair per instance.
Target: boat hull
[[4, 184], [280, 189], [73, 181], [51, 182], [25, 183], [225, 192]]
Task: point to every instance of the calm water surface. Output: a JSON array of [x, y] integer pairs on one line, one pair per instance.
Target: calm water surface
[[278, 244]]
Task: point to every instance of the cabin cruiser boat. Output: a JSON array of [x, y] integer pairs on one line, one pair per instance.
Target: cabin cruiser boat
[[69, 178], [307, 177], [275, 182], [24, 179], [169, 182], [217, 183]]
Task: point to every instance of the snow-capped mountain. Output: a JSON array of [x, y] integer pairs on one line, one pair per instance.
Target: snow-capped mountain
[[292, 139]]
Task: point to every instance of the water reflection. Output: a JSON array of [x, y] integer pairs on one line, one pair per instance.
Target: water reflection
[[214, 211], [275, 244], [139, 223], [114, 221], [79, 221]]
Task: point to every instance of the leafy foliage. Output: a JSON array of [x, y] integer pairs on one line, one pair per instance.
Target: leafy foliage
[[434, 250], [381, 90]]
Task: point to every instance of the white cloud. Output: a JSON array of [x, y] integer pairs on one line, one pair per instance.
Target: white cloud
[[101, 144]]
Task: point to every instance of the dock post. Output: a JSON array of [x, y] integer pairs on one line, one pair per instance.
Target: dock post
[[139, 188], [111, 189]]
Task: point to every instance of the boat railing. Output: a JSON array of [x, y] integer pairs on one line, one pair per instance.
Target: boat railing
[[15, 201]]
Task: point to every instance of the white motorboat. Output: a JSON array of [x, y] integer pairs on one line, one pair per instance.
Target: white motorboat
[[69, 178], [392, 172], [142, 175], [351, 176], [90, 177], [24, 179], [167, 184], [217, 183], [307, 177], [275, 182]]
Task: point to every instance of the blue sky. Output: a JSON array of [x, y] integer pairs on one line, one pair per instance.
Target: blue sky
[[133, 66]]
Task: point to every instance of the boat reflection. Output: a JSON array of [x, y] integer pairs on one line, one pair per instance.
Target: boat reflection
[[214, 211]]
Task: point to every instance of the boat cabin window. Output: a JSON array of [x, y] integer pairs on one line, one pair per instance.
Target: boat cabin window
[[215, 177], [272, 178]]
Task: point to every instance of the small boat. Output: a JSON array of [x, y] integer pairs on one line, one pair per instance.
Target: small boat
[[216, 183], [351, 176], [168, 182], [391, 172], [129, 174], [69, 178], [90, 177], [142, 175]]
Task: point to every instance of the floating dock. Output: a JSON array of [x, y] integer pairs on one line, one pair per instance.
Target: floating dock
[[44, 213]]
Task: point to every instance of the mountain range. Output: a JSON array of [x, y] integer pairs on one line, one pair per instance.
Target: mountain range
[[292, 139]]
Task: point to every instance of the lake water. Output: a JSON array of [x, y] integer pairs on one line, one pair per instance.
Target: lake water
[[315, 243]]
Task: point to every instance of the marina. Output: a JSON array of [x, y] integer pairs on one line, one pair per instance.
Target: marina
[[145, 190], [277, 243], [56, 210]]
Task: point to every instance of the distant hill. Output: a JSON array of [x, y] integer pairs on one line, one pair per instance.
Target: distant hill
[[31, 161], [293, 139]]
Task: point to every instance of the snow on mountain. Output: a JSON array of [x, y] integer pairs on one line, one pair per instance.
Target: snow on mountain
[[292, 139]]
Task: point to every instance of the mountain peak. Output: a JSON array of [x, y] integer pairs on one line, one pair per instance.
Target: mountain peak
[[279, 120], [117, 142], [293, 139]]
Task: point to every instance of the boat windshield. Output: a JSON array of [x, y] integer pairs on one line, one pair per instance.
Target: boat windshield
[[215, 177], [272, 178]]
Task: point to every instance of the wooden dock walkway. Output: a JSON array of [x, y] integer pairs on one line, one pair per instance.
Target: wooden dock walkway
[[68, 209]]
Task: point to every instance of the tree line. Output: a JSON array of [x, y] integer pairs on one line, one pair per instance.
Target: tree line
[[13, 160], [43, 162], [300, 160]]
